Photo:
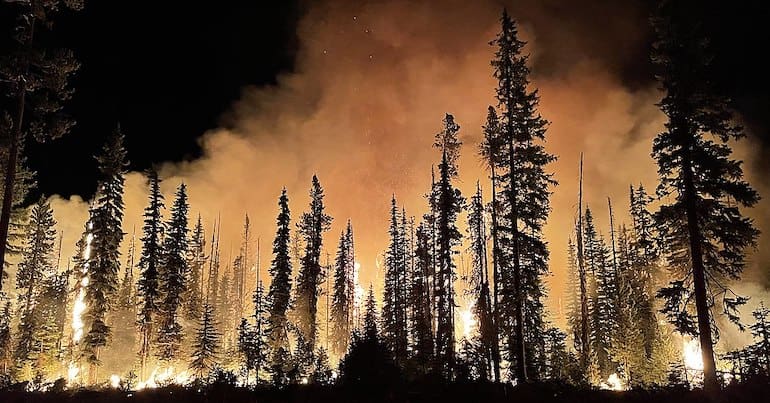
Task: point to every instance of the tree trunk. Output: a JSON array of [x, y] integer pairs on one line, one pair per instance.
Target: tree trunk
[[496, 279], [519, 351], [10, 175]]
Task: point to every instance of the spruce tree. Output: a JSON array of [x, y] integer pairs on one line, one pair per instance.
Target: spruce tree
[[478, 284], [312, 226], [172, 275], [524, 200], [103, 263], [701, 221], [421, 330], [206, 344], [280, 273], [196, 262], [34, 270], [35, 79], [760, 330], [449, 204], [370, 317], [342, 300], [148, 291], [394, 303]]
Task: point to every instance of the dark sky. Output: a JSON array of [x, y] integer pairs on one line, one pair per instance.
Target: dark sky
[[168, 72]]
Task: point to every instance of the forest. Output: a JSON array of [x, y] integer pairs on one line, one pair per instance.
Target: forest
[[180, 317]]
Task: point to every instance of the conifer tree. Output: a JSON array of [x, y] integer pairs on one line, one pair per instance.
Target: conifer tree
[[104, 260], [206, 344], [6, 348], [196, 262], [280, 272], [450, 203], [241, 267], [420, 301], [394, 294], [702, 225], [343, 297], [34, 270], [34, 78], [370, 317], [524, 199], [172, 277], [312, 226], [148, 291], [478, 284], [760, 330]]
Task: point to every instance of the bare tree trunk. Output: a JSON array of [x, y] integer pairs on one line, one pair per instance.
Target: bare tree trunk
[[585, 345]]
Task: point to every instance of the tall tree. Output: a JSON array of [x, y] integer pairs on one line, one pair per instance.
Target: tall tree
[[35, 268], [702, 224], [241, 268], [196, 263], [148, 291], [525, 197], [280, 272], [344, 293], [103, 263], [35, 84], [206, 344], [420, 302], [450, 203], [394, 304], [172, 277], [478, 283], [312, 226]]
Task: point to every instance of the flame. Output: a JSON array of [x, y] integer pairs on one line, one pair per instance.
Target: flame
[[468, 320], [166, 376], [613, 383], [73, 370], [114, 381], [691, 354]]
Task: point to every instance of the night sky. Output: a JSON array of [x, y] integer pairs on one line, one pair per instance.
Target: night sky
[[169, 72]]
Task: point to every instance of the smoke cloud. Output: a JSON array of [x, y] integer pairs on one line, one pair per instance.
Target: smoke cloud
[[371, 84]]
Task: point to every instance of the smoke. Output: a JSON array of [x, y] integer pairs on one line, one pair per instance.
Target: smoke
[[371, 84]]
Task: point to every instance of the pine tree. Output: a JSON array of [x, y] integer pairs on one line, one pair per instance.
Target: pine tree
[[172, 277], [370, 317], [478, 284], [760, 330], [35, 79], [420, 301], [148, 291], [253, 338], [394, 294], [525, 200], [344, 292], [703, 227], [312, 225], [25, 181], [206, 344], [104, 261], [450, 203], [34, 270], [280, 272], [53, 316], [196, 262]]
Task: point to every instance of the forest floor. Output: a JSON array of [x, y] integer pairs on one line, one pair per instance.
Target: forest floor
[[753, 391]]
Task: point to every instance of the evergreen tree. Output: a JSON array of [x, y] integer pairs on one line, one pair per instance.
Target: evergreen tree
[[253, 338], [148, 291], [172, 277], [6, 348], [34, 270], [34, 79], [53, 316], [761, 332], [312, 225], [280, 272], [370, 316], [702, 225], [524, 201], [344, 292], [450, 203], [478, 285], [25, 181], [420, 301], [103, 263], [240, 269], [394, 305], [196, 262], [206, 344]]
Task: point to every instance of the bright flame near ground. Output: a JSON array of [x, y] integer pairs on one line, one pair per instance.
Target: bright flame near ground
[[114, 381], [163, 377], [468, 321], [693, 360], [79, 307], [613, 383]]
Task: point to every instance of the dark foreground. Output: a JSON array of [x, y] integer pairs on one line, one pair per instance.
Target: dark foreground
[[753, 391]]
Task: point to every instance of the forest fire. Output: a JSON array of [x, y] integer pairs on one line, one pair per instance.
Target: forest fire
[[613, 383], [79, 306], [692, 358]]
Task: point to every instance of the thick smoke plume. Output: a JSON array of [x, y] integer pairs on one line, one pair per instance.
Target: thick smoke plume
[[372, 82]]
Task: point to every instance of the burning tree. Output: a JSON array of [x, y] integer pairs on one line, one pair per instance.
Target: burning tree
[[702, 225]]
